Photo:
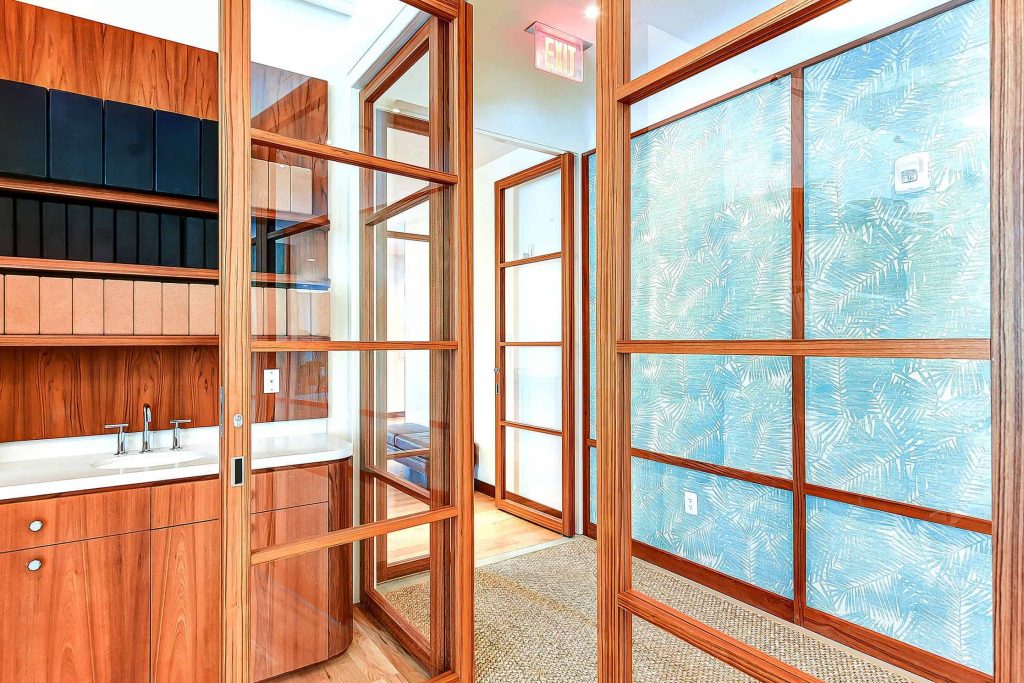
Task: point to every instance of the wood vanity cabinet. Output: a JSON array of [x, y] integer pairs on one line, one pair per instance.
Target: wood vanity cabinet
[[71, 612], [145, 605]]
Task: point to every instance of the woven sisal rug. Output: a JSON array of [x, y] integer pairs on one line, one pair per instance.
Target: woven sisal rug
[[536, 622]]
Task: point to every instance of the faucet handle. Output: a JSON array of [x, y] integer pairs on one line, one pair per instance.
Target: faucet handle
[[120, 427], [176, 437]]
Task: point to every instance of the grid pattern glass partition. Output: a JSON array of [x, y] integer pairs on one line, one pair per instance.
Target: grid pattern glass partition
[[809, 291]]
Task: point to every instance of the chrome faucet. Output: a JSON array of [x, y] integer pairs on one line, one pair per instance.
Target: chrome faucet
[[147, 417]]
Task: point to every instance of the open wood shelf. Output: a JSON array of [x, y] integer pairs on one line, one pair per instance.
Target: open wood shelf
[[97, 268], [71, 191], [11, 340]]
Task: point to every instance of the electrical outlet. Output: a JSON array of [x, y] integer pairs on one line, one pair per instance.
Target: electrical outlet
[[690, 502], [271, 381]]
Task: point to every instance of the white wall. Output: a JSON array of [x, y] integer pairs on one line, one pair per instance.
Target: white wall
[[483, 298]]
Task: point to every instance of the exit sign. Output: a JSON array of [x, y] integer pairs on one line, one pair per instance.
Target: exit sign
[[557, 52]]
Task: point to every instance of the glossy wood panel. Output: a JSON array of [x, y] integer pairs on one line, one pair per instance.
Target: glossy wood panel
[[77, 619], [185, 502], [289, 602], [1007, 342], [73, 518], [185, 611]]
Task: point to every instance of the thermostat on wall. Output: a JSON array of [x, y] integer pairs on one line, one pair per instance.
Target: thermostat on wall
[[912, 173]]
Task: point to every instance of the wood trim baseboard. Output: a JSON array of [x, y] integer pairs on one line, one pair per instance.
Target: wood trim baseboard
[[483, 487]]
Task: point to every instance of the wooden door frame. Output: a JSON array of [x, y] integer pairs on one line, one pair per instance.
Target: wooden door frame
[[564, 523], [451, 516], [617, 600]]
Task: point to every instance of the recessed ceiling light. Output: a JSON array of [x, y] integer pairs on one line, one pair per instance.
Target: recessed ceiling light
[[592, 12]]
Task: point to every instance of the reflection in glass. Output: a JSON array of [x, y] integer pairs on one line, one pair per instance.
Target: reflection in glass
[[533, 385], [897, 183], [407, 294], [533, 302]]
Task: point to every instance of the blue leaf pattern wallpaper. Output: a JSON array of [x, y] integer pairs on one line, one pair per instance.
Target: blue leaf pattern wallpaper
[[922, 583], [711, 215], [911, 430], [880, 263], [710, 255], [726, 410], [741, 529]]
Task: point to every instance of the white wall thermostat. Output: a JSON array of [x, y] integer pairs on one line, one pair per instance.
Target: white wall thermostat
[[912, 173]]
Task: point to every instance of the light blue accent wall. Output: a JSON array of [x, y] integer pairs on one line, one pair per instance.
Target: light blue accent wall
[[880, 263], [726, 410], [924, 584], [711, 221], [741, 529], [910, 430]]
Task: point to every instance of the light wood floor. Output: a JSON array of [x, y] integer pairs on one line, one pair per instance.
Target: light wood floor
[[374, 656]]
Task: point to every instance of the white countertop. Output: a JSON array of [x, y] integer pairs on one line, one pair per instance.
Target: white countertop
[[51, 466]]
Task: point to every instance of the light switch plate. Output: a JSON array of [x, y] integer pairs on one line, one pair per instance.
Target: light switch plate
[[271, 381], [690, 502]]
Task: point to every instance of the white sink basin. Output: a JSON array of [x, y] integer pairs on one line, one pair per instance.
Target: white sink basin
[[160, 458]]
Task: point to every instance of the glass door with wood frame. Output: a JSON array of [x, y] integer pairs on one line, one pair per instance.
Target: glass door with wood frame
[[533, 354]]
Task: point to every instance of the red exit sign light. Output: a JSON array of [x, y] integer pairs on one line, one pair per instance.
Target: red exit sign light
[[557, 52]]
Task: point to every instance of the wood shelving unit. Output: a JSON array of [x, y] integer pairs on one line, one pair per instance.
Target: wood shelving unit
[[42, 265], [14, 340], [72, 192]]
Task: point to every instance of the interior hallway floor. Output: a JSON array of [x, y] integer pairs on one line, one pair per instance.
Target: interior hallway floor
[[376, 657]]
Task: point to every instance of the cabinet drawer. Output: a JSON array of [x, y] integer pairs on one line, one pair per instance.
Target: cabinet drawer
[[285, 488], [35, 523], [186, 502]]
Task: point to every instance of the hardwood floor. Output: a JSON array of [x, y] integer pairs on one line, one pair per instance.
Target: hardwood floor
[[374, 656]]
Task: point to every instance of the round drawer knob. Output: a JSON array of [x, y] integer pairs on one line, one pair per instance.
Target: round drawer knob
[[35, 525], [35, 565]]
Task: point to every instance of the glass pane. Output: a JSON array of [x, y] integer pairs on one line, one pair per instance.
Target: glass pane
[[533, 385], [711, 222], [406, 586], [922, 583], [726, 410], [661, 31], [533, 217], [591, 322], [897, 183], [533, 468], [533, 302], [741, 529], [407, 293], [592, 454], [660, 656], [916, 431]]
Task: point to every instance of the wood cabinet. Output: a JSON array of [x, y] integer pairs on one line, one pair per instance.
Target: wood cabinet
[[75, 616], [185, 614], [127, 586]]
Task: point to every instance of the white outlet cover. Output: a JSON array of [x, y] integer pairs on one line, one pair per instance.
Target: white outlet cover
[[912, 173], [690, 502], [271, 381]]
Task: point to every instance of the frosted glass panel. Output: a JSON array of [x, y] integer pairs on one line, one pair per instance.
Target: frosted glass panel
[[533, 385], [727, 410], [916, 431], [711, 216], [533, 466], [922, 583], [897, 184], [533, 302], [741, 529], [533, 217]]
